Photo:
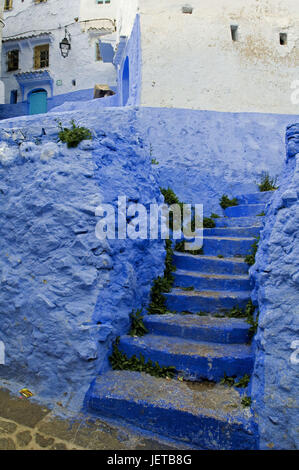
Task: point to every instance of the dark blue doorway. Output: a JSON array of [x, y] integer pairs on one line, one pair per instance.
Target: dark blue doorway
[[126, 82]]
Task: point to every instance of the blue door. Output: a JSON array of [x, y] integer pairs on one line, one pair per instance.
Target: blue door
[[38, 102]]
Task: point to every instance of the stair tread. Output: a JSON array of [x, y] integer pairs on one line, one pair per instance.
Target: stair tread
[[212, 276], [216, 401], [236, 259], [180, 346], [192, 320], [227, 238], [210, 293]]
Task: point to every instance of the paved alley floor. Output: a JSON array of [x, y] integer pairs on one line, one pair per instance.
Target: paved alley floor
[[25, 425]]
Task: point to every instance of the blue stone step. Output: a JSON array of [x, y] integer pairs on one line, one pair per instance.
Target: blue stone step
[[255, 198], [237, 232], [227, 246], [205, 417], [219, 282], [193, 360], [205, 301], [253, 221], [244, 210], [210, 264], [210, 329]]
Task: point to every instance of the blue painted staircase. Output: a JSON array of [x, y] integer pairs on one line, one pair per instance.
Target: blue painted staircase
[[202, 345]]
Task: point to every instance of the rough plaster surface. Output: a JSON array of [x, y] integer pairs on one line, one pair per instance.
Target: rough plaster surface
[[276, 274], [65, 295], [44, 202], [190, 61], [204, 154]]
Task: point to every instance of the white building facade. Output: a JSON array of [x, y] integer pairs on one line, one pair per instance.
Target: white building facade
[[223, 55], [36, 75]]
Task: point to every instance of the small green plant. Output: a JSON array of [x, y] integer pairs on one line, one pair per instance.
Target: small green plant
[[191, 288], [261, 214], [215, 216], [243, 381], [169, 196], [154, 161], [208, 222], [267, 183], [73, 136], [250, 258], [180, 247], [137, 326], [163, 284], [202, 314], [229, 381], [120, 361], [226, 202], [246, 401], [236, 312], [220, 256]]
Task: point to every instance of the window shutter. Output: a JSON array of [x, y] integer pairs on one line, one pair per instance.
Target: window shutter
[[36, 58]]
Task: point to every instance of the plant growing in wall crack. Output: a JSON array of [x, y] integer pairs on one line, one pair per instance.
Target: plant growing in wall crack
[[120, 361], [250, 258], [74, 135], [226, 202], [137, 326], [267, 183]]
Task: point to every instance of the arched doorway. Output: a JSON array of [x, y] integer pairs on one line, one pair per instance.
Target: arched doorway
[[38, 101], [126, 82]]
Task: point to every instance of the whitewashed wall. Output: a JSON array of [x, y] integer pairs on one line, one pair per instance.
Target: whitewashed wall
[[190, 61], [27, 17]]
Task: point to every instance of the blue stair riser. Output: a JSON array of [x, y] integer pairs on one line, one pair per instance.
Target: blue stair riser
[[244, 210], [193, 367], [210, 283], [202, 432], [255, 198], [196, 304], [237, 232], [240, 221], [215, 334], [232, 247], [209, 265]]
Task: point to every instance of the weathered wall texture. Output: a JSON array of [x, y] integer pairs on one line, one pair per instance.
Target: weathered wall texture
[[204, 154], [190, 61], [276, 273], [64, 294]]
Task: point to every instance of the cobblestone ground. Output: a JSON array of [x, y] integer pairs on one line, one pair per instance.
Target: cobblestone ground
[[25, 425]]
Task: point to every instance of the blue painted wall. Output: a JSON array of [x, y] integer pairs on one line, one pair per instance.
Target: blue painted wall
[[64, 294], [276, 274], [47, 209], [205, 154]]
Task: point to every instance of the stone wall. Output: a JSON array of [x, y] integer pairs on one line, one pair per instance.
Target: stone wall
[[276, 275], [65, 295]]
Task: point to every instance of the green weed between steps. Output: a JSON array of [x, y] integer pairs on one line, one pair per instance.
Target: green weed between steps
[[231, 381], [180, 247], [246, 401], [73, 136], [250, 258], [120, 361], [163, 284], [226, 202], [215, 216], [267, 183], [137, 326], [246, 313]]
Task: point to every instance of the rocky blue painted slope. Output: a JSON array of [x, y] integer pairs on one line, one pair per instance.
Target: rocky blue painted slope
[[205, 415]]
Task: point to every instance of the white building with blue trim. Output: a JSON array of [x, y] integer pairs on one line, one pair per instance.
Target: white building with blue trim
[[36, 76]]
